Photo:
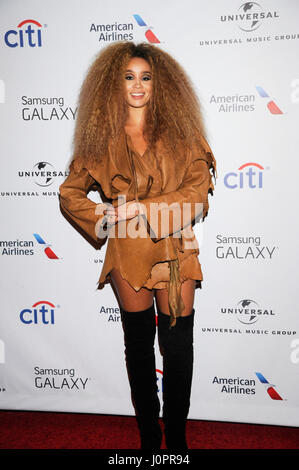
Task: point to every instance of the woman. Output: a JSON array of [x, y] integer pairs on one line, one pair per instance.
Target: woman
[[140, 140]]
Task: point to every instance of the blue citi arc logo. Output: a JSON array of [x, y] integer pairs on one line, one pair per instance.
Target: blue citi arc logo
[[252, 178], [42, 312], [30, 36]]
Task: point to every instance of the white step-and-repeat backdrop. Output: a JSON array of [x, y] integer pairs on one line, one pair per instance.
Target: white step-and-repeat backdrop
[[61, 339]]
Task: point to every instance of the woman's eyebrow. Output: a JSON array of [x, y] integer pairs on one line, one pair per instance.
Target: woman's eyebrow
[[144, 71]]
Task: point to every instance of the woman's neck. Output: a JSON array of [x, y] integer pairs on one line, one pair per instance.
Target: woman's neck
[[135, 120]]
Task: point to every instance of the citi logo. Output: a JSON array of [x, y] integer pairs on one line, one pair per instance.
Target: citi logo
[[21, 37], [249, 175], [150, 36], [46, 247], [269, 387], [271, 105], [42, 312]]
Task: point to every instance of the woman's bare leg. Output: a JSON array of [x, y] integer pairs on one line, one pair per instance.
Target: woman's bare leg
[[129, 299]]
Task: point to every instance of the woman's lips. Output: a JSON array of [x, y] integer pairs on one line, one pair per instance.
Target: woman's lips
[[137, 96]]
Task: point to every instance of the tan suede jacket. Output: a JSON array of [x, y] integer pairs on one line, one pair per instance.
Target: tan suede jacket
[[161, 228]]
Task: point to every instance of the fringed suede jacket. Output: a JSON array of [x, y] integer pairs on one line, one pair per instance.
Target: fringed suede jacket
[[171, 200]]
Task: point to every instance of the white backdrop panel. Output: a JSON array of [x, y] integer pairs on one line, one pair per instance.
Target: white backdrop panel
[[61, 340]]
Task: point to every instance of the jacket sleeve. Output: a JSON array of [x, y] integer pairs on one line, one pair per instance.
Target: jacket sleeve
[[171, 212], [86, 214]]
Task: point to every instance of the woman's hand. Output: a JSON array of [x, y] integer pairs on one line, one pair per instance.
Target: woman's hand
[[123, 212]]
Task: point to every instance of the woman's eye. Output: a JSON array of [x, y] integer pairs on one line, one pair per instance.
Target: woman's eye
[[130, 77]]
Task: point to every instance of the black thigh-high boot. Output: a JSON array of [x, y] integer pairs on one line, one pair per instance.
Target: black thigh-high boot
[[139, 336], [176, 346]]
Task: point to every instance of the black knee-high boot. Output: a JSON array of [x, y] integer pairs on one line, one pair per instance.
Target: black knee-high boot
[[176, 346], [139, 336]]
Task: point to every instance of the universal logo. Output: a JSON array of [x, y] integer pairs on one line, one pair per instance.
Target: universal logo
[[247, 311], [250, 16], [43, 174]]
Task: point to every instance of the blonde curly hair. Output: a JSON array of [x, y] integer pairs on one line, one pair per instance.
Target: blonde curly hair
[[173, 115]]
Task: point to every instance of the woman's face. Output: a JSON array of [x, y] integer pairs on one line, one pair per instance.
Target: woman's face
[[138, 82]]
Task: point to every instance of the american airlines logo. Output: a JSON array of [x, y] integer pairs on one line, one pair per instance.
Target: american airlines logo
[[150, 36], [271, 105], [273, 394], [46, 247]]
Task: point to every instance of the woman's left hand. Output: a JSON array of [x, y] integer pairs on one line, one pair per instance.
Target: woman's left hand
[[126, 211]]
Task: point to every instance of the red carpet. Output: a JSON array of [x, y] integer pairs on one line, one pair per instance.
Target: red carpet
[[43, 430]]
